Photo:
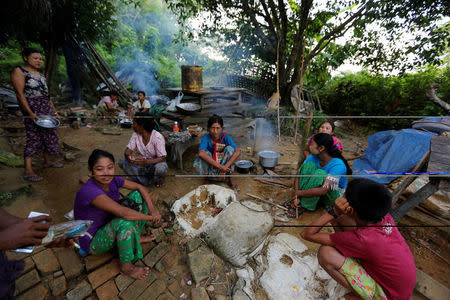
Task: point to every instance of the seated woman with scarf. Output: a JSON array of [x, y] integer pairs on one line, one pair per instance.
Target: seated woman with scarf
[[116, 224], [322, 176], [217, 152]]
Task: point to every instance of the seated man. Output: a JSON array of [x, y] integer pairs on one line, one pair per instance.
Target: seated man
[[108, 105], [149, 166], [371, 260], [141, 105], [217, 152]]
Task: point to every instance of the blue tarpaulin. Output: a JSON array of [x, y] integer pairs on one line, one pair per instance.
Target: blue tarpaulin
[[392, 151]]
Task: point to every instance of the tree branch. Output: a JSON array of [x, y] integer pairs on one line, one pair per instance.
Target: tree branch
[[431, 94], [257, 25]]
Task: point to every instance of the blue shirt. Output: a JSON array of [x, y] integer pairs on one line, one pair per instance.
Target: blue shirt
[[207, 145], [334, 167]]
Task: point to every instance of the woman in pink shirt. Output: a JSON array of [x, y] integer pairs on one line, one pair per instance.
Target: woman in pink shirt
[[145, 155], [372, 260]]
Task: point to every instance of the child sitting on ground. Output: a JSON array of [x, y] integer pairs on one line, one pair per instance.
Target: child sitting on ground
[[325, 127], [372, 259]]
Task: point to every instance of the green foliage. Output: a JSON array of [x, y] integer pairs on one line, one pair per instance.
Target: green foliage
[[364, 94]]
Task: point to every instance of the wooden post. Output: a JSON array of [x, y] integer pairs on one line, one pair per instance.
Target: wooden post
[[301, 93], [415, 199], [278, 91]]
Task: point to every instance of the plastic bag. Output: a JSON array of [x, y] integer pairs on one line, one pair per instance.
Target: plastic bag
[[172, 105]]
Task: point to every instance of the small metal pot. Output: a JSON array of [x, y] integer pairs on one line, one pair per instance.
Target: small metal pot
[[243, 166], [268, 159]]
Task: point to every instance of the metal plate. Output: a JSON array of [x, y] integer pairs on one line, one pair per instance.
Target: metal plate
[[217, 87], [188, 107], [47, 121]]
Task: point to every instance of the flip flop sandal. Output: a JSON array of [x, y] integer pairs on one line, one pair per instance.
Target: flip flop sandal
[[291, 213], [54, 165], [32, 178], [159, 183]]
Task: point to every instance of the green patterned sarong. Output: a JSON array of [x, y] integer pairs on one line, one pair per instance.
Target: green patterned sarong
[[310, 182], [123, 233]]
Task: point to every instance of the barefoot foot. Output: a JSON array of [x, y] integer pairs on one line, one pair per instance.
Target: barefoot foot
[[146, 238], [135, 272]]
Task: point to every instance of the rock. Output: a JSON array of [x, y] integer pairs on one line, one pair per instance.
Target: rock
[[29, 264], [58, 273], [94, 261], [107, 291], [199, 293], [137, 287], [46, 262], [165, 262], [154, 290], [69, 262], [193, 244], [155, 254], [71, 156], [123, 281], [101, 275], [146, 247], [81, 291], [58, 285], [240, 295], [210, 288], [166, 296], [26, 281], [175, 288], [200, 262], [39, 292], [238, 231], [221, 297], [159, 234]]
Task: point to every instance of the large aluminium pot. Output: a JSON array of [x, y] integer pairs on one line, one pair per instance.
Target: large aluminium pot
[[268, 159]]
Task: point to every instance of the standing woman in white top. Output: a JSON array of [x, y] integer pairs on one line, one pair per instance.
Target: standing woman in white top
[[141, 105], [145, 155]]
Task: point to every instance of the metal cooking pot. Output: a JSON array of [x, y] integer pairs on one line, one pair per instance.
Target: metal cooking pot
[[243, 166], [188, 108], [268, 159]]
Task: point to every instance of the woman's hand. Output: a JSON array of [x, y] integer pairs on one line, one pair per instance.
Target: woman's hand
[[156, 217], [341, 206], [224, 169], [32, 116], [28, 231]]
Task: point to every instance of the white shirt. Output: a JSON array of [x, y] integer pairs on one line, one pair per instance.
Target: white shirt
[[139, 106]]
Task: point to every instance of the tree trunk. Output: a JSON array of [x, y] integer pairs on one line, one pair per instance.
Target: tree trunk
[[71, 61], [51, 62]]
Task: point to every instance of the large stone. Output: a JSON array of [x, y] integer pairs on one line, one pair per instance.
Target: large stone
[[46, 262], [199, 293], [29, 264], [94, 261], [136, 288], [238, 231], [39, 292], [69, 262], [123, 281], [155, 255], [101, 275], [26, 281], [175, 288], [200, 262], [58, 285], [159, 234], [166, 296], [81, 291], [165, 262], [193, 244], [221, 297], [154, 290], [107, 291]]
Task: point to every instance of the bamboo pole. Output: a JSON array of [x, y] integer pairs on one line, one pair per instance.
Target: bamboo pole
[[278, 91], [267, 201], [301, 92]]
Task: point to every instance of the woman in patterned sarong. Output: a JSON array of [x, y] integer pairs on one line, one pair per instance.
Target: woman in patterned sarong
[[32, 94], [217, 153], [114, 225]]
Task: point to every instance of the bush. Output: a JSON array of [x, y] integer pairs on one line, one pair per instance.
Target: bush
[[363, 94]]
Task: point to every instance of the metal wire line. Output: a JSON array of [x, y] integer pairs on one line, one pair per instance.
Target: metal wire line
[[438, 175]]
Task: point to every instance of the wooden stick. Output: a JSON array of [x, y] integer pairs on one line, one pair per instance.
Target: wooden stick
[[301, 93], [267, 201], [272, 181], [278, 90], [296, 208]]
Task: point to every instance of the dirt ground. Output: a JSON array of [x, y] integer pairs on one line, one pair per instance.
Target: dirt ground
[[56, 193]]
